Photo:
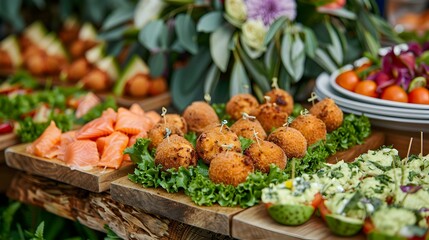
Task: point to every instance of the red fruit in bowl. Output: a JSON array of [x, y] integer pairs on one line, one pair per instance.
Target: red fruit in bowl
[[348, 80], [419, 95], [367, 88], [395, 93]]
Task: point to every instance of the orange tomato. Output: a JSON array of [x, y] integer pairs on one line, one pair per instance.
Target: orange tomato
[[419, 95], [348, 80], [318, 198], [323, 210], [368, 226], [367, 88], [395, 93]]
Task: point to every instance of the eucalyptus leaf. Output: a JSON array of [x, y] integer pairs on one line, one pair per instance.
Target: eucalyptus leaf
[[186, 32], [150, 34], [298, 58], [239, 82], [210, 22], [284, 80], [115, 47], [371, 44], [113, 34], [285, 53], [335, 49], [271, 59], [339, 12], [324, 61], [157, 64], [117, 17], [311, 43], [219, 41], [212, 79], [274, 28], [253, 53]]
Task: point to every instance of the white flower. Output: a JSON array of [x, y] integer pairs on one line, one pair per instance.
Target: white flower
[[236, 9], [146, 11], [254, 32]]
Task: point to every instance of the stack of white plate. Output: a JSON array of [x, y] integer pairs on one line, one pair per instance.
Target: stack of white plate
[[383, 113]]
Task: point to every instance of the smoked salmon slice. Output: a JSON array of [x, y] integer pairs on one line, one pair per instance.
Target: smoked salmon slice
[[82, 154], [130, 123], [89, 101], [113, 150], [133, 140], [135, 108], [99, 127], [45, 144], [153, 116], [101, 143], [66, 139], [110, 114]]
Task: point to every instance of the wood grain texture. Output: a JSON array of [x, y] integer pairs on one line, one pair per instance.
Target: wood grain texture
[[176, 206], [401, 139], [96, 209], [6, 175], [96, 180], [7, 140], [149, 103], [374, 141], [255, 223]]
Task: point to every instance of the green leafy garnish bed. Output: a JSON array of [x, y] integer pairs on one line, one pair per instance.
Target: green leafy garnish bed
[[195, 182]]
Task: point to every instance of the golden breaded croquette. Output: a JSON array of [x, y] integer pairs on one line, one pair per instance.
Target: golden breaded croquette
[[290, 140], [199, 115], [311, 127], [329, 113], [264, 153], [241, 103], [176, 119], [270, 116], [175, 151], [216, 140], [159, 132], [230, 168], [247, 127], [282, 98]]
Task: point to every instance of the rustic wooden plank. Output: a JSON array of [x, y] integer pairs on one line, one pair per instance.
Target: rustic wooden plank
[[149, 103], [401, 139], [6, 175], [255, 223], [374, 141], [176, 206], [7, 140], [96, 180], [96, 209]]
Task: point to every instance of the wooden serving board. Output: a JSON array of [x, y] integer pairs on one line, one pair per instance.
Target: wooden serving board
[[7, 140], [96, 180], [374, 141], [255, 223], [176, 206], [149, 103]]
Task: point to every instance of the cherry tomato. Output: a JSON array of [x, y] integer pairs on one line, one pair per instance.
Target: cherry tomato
[[367, 88], [368, 226], [419, 95], [323, 210], [348, 80], [395, 93], [318, 198]]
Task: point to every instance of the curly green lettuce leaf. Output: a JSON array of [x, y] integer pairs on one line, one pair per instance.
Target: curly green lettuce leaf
[[29, 130], [191, 137], [220, 109], [245, 143]]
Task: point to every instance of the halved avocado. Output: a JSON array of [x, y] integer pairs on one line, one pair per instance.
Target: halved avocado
[[96, 53], [35, 32], [135, 66], [88, 32], [290, 214], [110, 66], [343, 226], [382, 236], [11, 46]]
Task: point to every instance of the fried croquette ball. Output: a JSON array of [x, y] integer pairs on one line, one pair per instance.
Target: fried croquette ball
[[264, 153], [329, 113], [241, 103], [270, 116], [199, 115], [230, 168], [159, 132], [176, 119], [312, 128], [175, 151], [290, 140], [217, 140], [282, 98], [247, 128]]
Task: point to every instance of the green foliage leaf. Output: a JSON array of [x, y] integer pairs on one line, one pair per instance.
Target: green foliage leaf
[[7, 218], [212, 80], [191, 137], [38, 235], [149, 36], [210, 22], [335, 48], [117, 17], [245, 143], [111, 235], [275, 27], [157, 64], [324, 61], [186, 33], [239, 82], [220, 109], [139, 152], [298, 57], [311, 43], [219, 41]]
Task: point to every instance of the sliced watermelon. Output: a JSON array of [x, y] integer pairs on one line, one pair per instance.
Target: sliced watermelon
[[135, 66], [290, 214], [96, 53], [110, 66], [343, 226], [11, 46], [88, 32]]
